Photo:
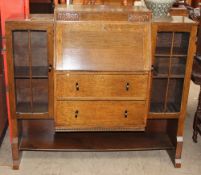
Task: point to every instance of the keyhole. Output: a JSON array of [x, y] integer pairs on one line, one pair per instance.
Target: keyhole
[[126, 114], [76, 113], [127, 86], [77, 86]]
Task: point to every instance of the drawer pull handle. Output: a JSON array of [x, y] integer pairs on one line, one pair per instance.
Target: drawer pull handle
[[76, 113], [50, 68], [126, 114], [127, 86], [77, 86]]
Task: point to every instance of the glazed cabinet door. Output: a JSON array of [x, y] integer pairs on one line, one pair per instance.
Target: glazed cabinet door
[[30, 57], [169, 71], [172, 63]]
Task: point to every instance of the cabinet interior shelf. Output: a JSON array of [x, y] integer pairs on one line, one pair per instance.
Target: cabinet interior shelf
[[36, 71], [170, 77], [43, 137], [171, 55], [170, 107], [165, 51], [25, 107]]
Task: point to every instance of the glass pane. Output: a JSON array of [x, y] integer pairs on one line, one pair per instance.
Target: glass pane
[[39, 54], [181, 41], [158, 93], [174, 95], [23, 95], [40, 95], [163, 43], [21, 53], [161, 66], [178, 66]]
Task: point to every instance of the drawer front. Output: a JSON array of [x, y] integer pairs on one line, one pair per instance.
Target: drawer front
[[100, 115], [95, 85]]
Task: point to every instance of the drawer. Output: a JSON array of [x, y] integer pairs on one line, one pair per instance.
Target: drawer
[[100, 115], [96, 85]]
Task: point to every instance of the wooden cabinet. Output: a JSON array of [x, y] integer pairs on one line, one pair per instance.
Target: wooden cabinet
[[30, 48], [112, 71]]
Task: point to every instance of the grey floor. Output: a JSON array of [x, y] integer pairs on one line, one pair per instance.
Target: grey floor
[[116, 163]]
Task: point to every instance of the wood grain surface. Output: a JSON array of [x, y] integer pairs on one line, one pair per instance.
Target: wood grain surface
[[98, 85], [94, 115]]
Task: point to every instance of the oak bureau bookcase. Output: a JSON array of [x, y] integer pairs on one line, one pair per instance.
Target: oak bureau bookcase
[[99, 78]]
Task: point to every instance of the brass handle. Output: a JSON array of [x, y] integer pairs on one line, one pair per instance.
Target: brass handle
[[77, 86], [50, 68], [76, 113], [126, 114], [152, 67], [127, 86]]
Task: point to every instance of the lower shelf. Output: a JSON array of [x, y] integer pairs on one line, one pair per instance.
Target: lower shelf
[[37, 72], [40, 135]]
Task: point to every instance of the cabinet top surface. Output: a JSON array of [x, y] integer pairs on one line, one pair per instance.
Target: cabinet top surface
[[101, 8], [173, 20], [34, 18], [49, 18]]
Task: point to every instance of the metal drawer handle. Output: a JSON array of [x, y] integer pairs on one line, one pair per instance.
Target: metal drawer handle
[[77, 86], [76, 113], [127, 86], [126, 114]]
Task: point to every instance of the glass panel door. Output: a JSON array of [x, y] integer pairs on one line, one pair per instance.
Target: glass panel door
[[30, 54], [169, 71]]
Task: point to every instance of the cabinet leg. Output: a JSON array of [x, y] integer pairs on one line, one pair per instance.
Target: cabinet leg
[[178, 152], [177, 164], [16, 154]]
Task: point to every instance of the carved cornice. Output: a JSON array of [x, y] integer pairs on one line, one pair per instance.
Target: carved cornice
[[75, 16], [67, 16], [139, 17]]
